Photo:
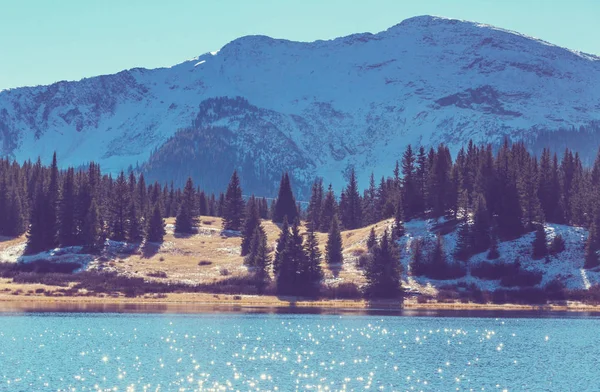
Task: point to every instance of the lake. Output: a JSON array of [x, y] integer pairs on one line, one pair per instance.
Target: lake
[[285, 352]]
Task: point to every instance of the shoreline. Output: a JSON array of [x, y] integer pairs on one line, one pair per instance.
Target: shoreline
[[211, 303]]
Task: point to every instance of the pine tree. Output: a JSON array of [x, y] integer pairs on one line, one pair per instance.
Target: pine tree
[[328, 212], [156, 226], [186, 221], [257, 237], [260, 258], [351, 210], [233, 209], [540, 244], [251, 222], [372, 240], [285, 205], [91, 231], [592, 245], [36, 241], [134, 224], [290, 278], [398, 230], [409, 188], [280, 247], [52, 197], [493, 253], [480, 238], [67, 229], [417, 264], [333, 247], [462, 250], [312, 269], [119, 205], [383, 271], [315, 205], [15, 215]]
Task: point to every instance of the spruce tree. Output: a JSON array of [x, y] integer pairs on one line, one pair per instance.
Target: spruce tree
[[493, 253], [557, 245], [251, 222], [462, 250], [15, 215], [540, 244], [398, 230], [333, 247], [134, 224], [36, 241], [156, 226], [233, 209], [409, 189], [67, 228], [290, 277], [351, 209], [186, 221], [372, 240], [257, 237], [592, 245], [260, 258], [315, 205], [417, 264], [383, 271], [328, 212], [91, 231], [480, 235], [52, 197], [285, 205], [280, 247], [119, 207], [312, 268]]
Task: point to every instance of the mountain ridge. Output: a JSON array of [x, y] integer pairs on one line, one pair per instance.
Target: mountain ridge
[[353, 101]]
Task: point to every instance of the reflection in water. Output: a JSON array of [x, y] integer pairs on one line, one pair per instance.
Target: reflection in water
[[242, 351]]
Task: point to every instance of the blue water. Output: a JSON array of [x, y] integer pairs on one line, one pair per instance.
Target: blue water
[[286, 352]]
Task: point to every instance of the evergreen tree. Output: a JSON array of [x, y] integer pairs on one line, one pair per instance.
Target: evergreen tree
[[462, 250], [593, 243], [291, 276], [233, 209], [480, 237], [15, 216], [409, 186], [36, 241], [251, 222], [91, 231], [383, 271], [312, 269], [398, 230], [417, 264], [493, 253], [258, 236], [119, 205], [372, 240], [351, 211], [328, 212], [315, 205], [134, 224], [156, 226], [285, 205], [52, 197], [540, 244], [186, 221], [280, 247], [259, 258], [333, 247], [67, 229]]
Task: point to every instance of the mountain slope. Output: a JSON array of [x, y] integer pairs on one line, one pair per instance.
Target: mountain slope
[[352, 101]]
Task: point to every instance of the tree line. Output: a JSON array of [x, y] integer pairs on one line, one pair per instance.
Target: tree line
[[493, 195]]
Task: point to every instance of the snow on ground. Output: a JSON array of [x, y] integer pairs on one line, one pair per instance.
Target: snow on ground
[[566, 267]]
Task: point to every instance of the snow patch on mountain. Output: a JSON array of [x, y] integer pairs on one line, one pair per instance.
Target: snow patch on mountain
[[354, 101]]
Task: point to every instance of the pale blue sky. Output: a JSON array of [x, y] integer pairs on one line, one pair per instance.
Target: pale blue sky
[[43, 41]]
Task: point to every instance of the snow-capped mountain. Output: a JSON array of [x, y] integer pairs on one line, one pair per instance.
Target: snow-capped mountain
[[315, 109]]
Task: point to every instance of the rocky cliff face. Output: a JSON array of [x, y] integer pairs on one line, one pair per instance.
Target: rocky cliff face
[[315, 109]]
